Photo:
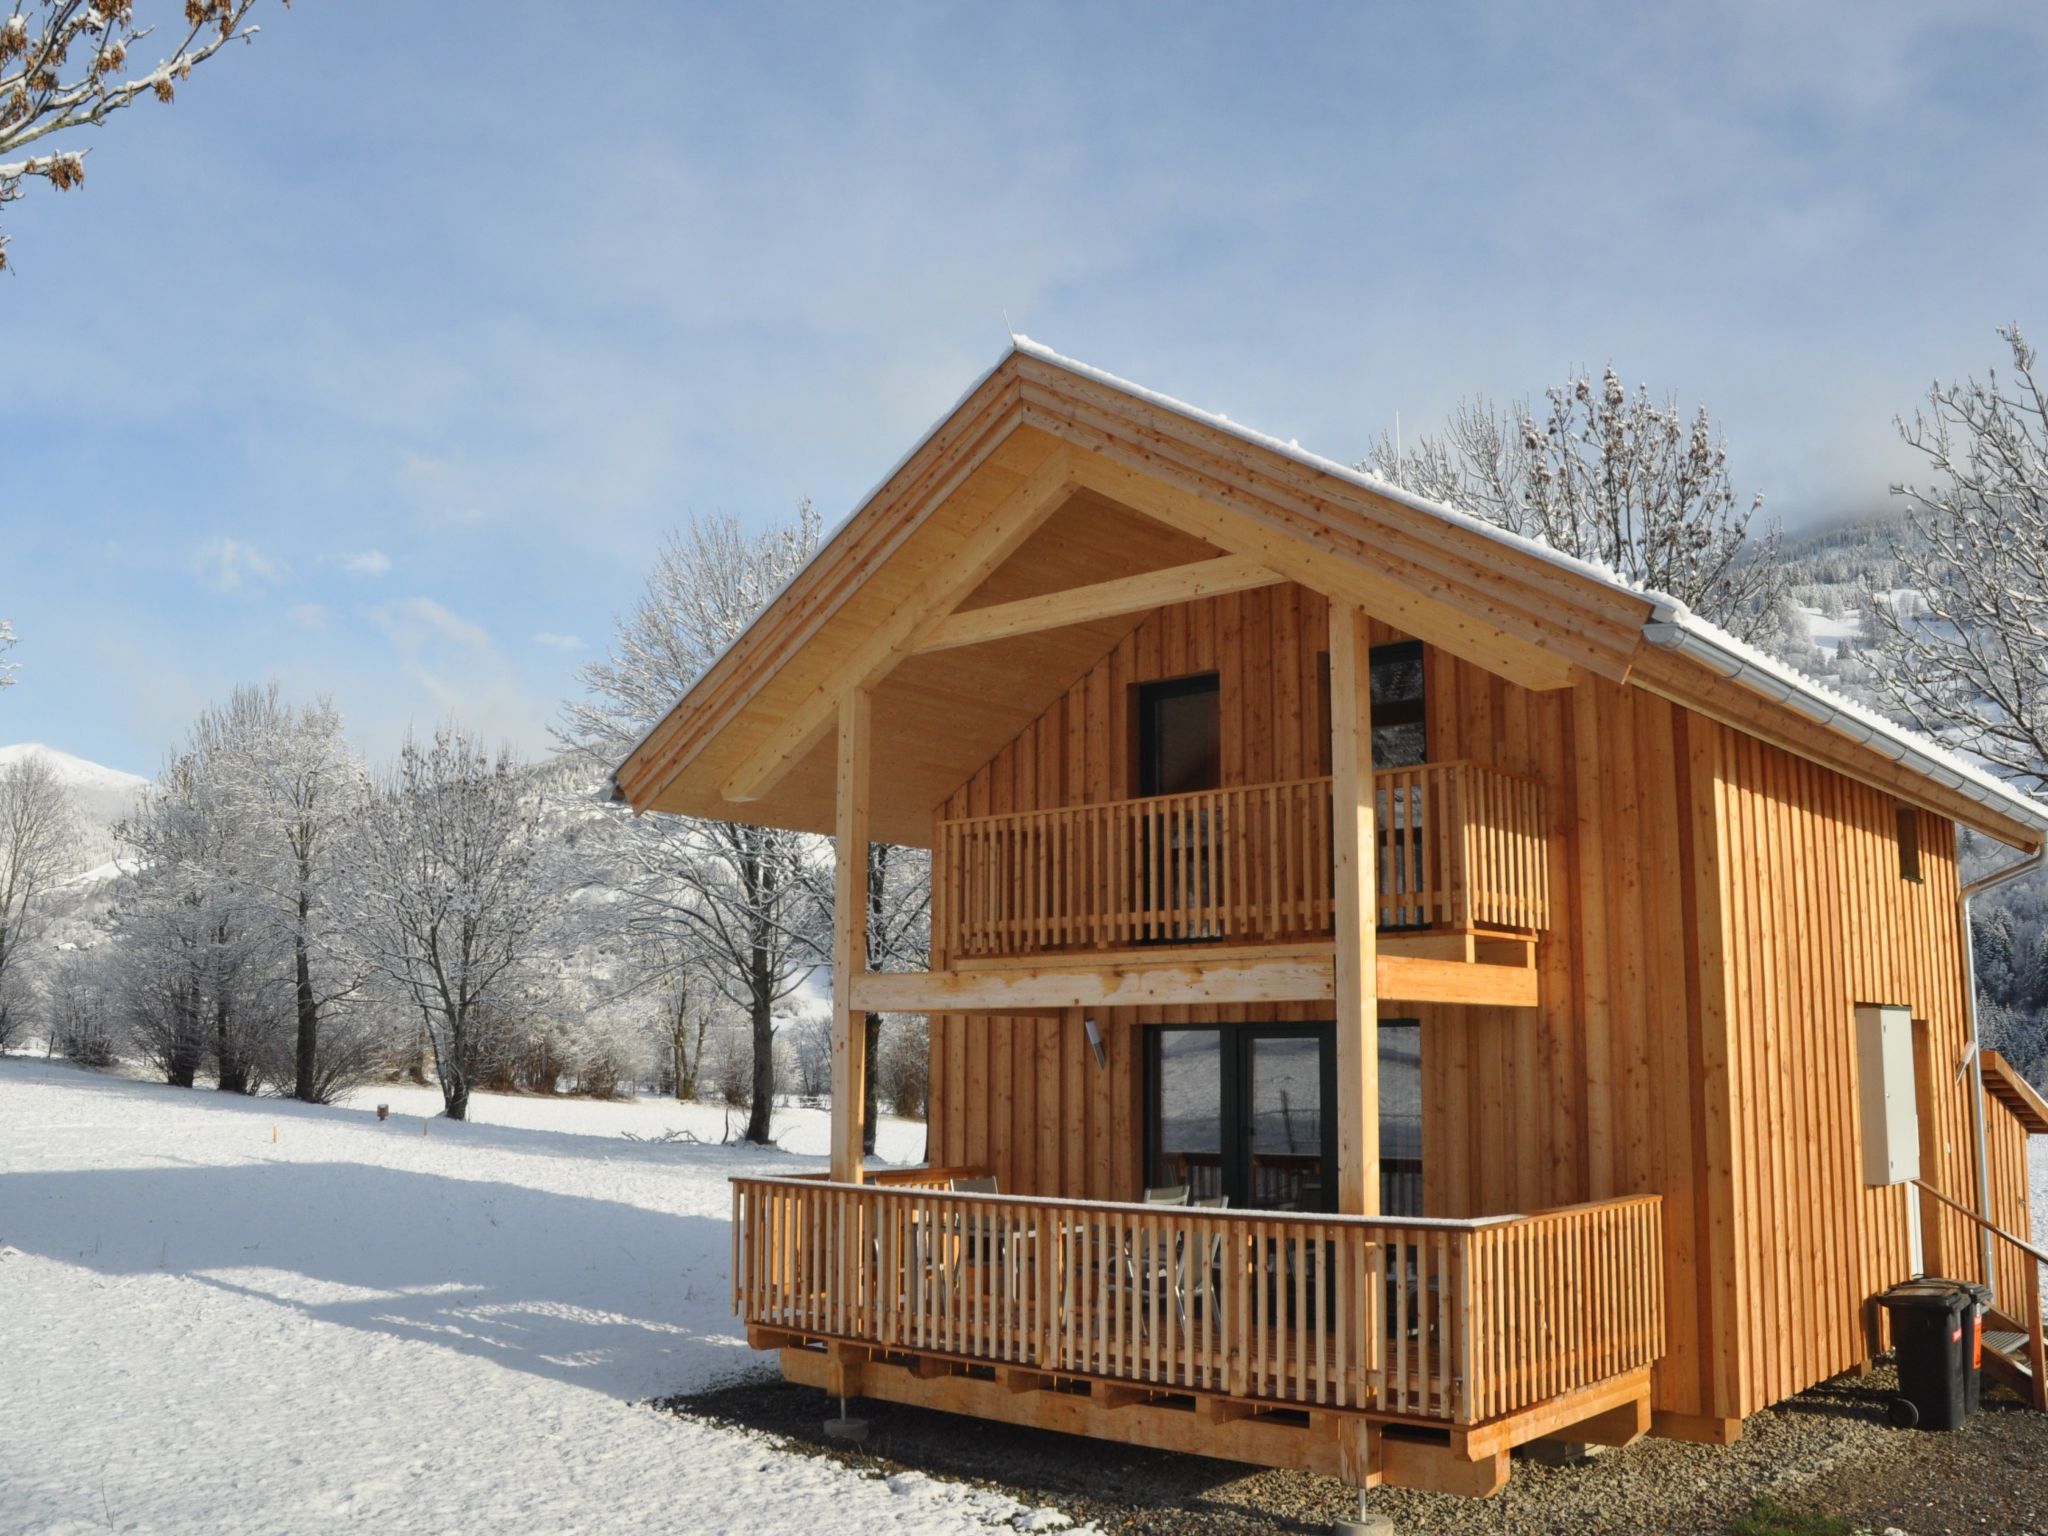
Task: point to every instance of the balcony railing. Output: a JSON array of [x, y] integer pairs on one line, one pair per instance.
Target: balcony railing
[[1459, 1322], [1461, 847]]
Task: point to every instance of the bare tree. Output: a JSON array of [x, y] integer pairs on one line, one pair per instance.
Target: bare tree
[[37, 831], [1963, 650], [450, 896], [728, 892], [64, 69], [899, 937], [1613, 478]]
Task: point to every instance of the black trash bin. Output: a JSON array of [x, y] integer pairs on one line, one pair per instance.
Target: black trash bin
[[1933, 1325]]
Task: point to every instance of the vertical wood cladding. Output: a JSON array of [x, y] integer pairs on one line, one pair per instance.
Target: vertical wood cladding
[[1718, 908]]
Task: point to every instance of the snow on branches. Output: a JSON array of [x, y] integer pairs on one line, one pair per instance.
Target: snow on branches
[[64, 67], [1610, 477], [1964, 638]]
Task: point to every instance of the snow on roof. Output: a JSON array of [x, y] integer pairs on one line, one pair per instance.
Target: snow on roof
[[1670, 619], [1672, 625]]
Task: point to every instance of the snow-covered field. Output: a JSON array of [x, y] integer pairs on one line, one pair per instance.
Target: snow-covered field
[[203, 1328]]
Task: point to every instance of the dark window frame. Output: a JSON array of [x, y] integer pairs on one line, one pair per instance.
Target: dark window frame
[[1235, 1043], [1392, 712], [1145, 765], [1908, 823]]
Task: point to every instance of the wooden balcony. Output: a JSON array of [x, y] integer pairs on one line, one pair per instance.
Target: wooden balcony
[[1462, 850], [1495, 1330]]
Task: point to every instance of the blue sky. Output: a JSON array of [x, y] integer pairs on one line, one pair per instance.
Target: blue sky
[[379, 363]]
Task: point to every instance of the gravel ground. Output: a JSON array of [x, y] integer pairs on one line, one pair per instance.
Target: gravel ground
[[1826, 1451]]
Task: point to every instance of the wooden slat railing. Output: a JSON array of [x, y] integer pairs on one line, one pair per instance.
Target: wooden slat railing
[[1453, 1321], [1461, 847]]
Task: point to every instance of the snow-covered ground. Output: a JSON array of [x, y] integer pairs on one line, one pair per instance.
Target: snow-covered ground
[[226, 1315], [2037, 1187]]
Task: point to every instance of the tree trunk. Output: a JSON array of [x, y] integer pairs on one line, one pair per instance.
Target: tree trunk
[[306, 1083], [873, 1025], [233, 1071], [761, 1111], [185, 1053]]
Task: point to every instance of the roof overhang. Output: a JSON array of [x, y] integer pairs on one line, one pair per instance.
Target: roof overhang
[[1049, 475], [2006, 1085]]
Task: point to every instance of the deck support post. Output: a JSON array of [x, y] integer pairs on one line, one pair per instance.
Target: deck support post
[[850, 936], [1357, 960]]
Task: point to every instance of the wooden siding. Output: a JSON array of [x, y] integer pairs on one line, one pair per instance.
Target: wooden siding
[[1592, 1095], [1717, 908]]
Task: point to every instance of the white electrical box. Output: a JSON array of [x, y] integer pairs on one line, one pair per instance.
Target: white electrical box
[[1891, 1114]]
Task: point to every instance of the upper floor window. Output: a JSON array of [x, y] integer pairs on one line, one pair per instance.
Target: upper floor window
[[1180, 735], [1909, 843], [1400, 707]]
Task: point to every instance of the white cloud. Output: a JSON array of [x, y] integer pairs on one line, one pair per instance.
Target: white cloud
[[226, 564], [419, 620], [371, 562], [309, 615], [548, 637]]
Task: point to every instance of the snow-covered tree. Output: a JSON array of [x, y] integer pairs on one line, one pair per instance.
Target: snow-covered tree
[[729, 894], [78, 1010], [190, 922], [1963, 651], [65, 68], [450, 895], [37, 830], [6, 645], [298, 791], [1610, 477]]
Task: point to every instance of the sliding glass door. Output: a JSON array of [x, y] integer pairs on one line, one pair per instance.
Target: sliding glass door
[[1249, 1111]]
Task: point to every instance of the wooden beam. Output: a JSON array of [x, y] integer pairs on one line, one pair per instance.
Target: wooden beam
[[988, 546], [1428, 1464], [1132, 983], [1473, 636], [1046, 984], [850, 935], [1101, 600], [1165, 1426], [1615, 1427], [1422, 979], [1356, 979], [1700, 1429]]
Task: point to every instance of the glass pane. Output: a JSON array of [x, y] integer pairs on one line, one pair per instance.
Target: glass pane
[[1399, 746], [1284, 1110], [1398, 713], [1400, 1117], [1181, 747], [1189, 1113], [1396, 675]]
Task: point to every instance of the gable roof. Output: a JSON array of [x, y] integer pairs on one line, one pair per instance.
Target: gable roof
[[1048, 472]]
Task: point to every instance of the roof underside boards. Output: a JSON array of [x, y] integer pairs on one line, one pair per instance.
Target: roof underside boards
[[1047, 477], [2005, 1084]]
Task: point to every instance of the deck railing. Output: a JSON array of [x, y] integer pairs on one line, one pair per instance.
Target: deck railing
[[1452, 1321], [1461, 847]]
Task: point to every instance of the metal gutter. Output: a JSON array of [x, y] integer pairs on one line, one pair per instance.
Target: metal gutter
[[1673, 627]]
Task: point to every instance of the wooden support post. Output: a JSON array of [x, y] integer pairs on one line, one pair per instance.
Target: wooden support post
[[850, 936], [1357, 967]]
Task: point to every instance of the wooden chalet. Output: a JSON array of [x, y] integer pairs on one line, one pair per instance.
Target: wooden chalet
[[1532, 1013]]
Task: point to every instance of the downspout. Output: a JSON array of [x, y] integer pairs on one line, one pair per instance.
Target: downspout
[[1973, 1057]]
